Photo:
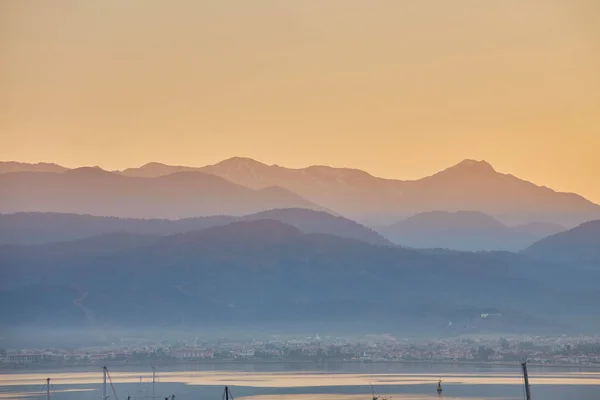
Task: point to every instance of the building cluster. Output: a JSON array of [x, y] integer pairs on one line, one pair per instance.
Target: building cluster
[[374, 348]]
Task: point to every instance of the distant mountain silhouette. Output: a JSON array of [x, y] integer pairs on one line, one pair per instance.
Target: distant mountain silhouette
[[32, 228], [475, 185], [469, 185], [578, 247], [154, 169], [309, 221], [255, 272], [39, 227], [13, 166], [465, 230], [95, 191]]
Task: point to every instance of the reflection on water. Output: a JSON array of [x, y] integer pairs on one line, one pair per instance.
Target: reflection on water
[[56, 393], [345, 382], [397, 396]]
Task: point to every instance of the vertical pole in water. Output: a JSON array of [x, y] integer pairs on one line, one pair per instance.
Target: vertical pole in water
[[226, 393], [47, 388], [526, 379], [153, 378], [104, 372]]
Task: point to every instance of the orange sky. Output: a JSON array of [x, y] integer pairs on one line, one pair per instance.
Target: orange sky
[[398, 88]]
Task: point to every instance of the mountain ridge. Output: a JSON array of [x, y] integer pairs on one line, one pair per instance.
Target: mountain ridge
[[356, 194], [32, 228], [465, 231], [91, 190], [16, 166]]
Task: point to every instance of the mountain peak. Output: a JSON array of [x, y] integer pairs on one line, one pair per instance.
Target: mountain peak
[[240, 162], [475, 165], [155, 169], [468, 167], [154, 164], [87, 171]]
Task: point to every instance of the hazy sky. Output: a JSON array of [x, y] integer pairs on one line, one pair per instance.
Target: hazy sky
[[398, 88]]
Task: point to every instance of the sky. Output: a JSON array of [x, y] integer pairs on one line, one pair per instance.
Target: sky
[[401, 89]]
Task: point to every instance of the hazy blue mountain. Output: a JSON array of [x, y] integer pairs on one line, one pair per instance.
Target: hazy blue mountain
[[261, 271], [310, 221], [32, 228], [540, 229], [579, 246], [39, 227], [469, 185], [103, 243], [98, 192], [465, 230]]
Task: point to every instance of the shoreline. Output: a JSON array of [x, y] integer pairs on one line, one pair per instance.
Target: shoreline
[[49, 367]]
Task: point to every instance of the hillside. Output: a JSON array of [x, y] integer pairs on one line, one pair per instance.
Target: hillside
[[579, 247], [98, 192], [252, 272], [466, 231], [32, 228]]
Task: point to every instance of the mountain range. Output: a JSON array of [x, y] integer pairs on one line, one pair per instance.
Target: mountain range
[[94, 191], [470, 185], [39, 228], [466, 231], [243, 243], [265, 271]]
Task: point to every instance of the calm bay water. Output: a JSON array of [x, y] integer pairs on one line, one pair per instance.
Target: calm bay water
[[308, 381]]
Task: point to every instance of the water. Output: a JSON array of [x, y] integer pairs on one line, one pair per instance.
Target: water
[[309, 381]]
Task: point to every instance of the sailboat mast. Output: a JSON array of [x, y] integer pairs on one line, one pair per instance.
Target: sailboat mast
[[526, 379], [47, 388], [104, 373], [153, 378], [226, 393]]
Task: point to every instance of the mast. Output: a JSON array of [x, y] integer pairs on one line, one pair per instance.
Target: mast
[[47, 388], [104, 373], [153, 378], [225, 396], [526, 379]]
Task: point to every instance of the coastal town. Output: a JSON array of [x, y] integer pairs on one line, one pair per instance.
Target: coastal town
[[557, 350]]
